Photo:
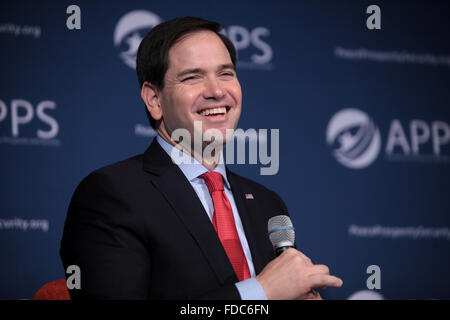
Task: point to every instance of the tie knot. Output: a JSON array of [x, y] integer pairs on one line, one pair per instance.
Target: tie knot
[[213, 181]]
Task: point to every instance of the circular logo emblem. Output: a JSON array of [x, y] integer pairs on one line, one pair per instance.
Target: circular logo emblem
[[355, 139], [366, 295], [127, 35]]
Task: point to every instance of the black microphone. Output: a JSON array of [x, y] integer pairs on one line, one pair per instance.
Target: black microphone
[[281, 233]]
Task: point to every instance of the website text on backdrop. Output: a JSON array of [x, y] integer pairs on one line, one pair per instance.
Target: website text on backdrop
[[147, 228]]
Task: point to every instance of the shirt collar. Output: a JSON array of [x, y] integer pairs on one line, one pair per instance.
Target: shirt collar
[[193, 169]]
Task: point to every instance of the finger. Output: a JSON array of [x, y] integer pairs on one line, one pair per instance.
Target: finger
[[312, 295], [319, 280], [320, 268], [317, 296]]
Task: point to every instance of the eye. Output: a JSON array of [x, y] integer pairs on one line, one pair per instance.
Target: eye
[[227, 74], [189, 78]]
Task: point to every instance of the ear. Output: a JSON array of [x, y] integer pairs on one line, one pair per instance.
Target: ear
[[151, 96]]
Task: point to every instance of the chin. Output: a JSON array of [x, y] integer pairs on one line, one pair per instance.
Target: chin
[[223, 131]]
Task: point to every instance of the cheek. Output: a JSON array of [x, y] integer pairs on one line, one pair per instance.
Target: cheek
[[185, 100], [178, 104], [236, 93]]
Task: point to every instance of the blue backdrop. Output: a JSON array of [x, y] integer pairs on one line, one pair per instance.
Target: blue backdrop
[[363, 118]]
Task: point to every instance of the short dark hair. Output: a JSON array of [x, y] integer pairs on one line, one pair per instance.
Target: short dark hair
[[152, 60]]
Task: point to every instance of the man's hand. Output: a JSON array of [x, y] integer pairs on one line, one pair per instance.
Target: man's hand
[[292, 275]]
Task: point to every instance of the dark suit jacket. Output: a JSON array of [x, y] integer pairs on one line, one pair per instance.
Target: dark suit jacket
[[137, 230]]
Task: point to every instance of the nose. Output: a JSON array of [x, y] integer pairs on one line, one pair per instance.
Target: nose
[[213, 89]]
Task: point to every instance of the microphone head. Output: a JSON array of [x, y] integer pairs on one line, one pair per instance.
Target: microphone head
[[281, 231]]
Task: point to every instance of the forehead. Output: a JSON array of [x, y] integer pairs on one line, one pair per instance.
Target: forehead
[[197, 49]]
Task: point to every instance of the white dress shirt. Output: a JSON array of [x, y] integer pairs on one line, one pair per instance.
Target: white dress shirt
[[249, 289]]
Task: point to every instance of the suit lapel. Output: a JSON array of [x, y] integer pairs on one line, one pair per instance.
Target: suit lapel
[[177, 190]]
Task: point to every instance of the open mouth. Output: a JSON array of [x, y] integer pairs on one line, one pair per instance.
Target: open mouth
[[211, 112]]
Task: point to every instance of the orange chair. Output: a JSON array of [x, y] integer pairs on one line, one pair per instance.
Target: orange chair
[[54, 290]]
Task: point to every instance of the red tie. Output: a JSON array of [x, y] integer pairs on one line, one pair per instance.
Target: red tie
[[223, 222]]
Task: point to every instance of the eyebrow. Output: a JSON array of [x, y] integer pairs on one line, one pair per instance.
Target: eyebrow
[[199, 70]]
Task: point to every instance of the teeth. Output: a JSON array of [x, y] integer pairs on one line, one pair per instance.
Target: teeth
[[220, 110]]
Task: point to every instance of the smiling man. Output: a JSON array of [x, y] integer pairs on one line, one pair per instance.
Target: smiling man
[[147, 228], [200, 85]]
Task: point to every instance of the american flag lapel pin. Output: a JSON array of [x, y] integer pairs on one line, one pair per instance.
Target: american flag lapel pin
[[249, 196]]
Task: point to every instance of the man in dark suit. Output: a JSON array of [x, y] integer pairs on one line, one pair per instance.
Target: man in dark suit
[[148, 228]]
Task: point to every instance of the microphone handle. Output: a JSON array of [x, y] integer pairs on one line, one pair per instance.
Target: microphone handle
[[280, 250]]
